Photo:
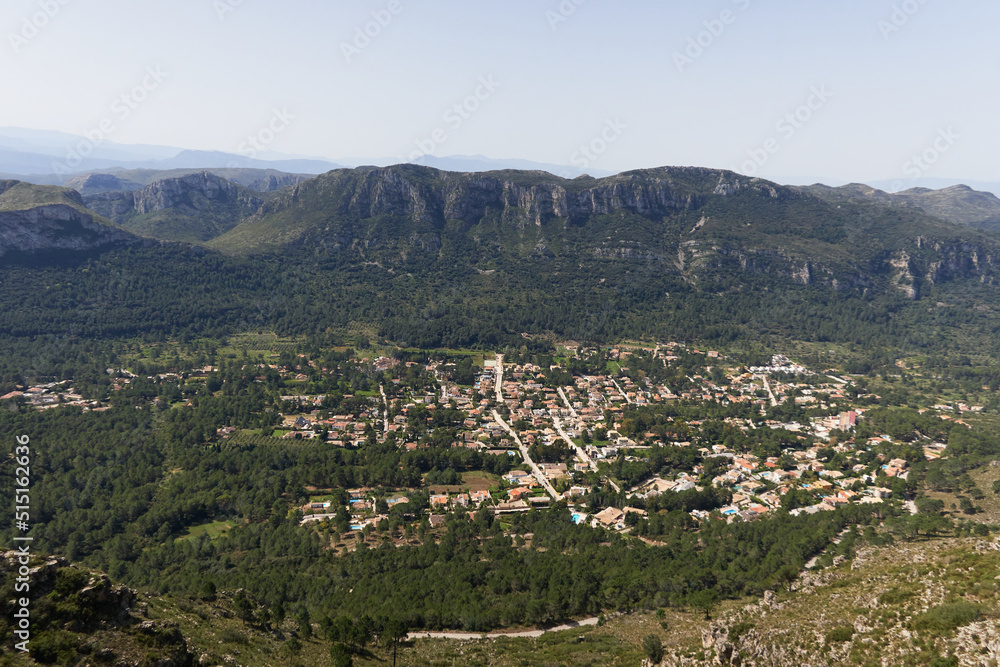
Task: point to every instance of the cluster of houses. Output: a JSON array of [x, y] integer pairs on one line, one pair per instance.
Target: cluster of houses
[[547, 415], [51, 395]]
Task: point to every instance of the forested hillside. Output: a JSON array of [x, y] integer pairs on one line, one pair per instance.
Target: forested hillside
[[429, 258]]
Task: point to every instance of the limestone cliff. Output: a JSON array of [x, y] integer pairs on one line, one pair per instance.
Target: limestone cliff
[[57, 227]]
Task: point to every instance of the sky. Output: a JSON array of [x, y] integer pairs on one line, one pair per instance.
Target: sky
[[791, 90]]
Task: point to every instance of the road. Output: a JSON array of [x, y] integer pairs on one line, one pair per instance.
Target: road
[[582, 455], [620, 391], [499, 378], [531, 634], [385, 412], [535, 470], [562, 395], [770, 393]]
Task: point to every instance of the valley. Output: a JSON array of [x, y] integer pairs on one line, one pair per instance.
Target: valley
[[388, 410]]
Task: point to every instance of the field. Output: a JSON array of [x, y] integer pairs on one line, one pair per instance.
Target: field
[[473, 481], [213, 530]]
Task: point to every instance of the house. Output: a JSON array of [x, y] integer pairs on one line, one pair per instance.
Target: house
[[657, 486], [515, 506], [518, 477], [519, 493], [612, 517]]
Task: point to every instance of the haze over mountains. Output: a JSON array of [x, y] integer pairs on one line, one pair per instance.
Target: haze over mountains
[[51, 158], [54, 158]]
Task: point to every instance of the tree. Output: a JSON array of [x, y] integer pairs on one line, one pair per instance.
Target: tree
[[395, 631], [340, 656], [705, 600], [207, 591], [787, 576], [930, 505], [653, 647], [305, 625], [292, 647], [244, 607]]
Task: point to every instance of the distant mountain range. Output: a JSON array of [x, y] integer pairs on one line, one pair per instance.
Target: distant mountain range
[[53, 158], [48, 157]]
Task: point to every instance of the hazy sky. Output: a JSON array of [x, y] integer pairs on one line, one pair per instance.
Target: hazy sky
[[792, 90]]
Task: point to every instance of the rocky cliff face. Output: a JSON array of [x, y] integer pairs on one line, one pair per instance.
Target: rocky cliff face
[[525, 197], [694, 222], [191, 194], [57, 227], [267, 181]]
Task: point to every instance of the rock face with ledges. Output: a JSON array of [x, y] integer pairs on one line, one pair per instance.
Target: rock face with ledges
[[196, 207], [693, 221], [57, 228]]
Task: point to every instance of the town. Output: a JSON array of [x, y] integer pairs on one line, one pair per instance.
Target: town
[[610, 433]]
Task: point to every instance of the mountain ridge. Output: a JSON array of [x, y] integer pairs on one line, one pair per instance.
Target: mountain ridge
[[432, 258], [680, 217], [45, 219], [191, 208]]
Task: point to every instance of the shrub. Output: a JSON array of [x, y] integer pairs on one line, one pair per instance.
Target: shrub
[[844, 633], [739, 630], [946, 618], [653, 647], [895, 595]]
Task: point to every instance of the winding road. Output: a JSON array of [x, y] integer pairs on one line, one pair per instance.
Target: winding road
[[528, 634]]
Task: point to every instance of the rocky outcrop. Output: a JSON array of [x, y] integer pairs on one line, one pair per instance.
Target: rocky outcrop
[[191, 194], [903, 278], [90, 604], [471, 197], [57, 228], [703, 225], [268, 182]]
